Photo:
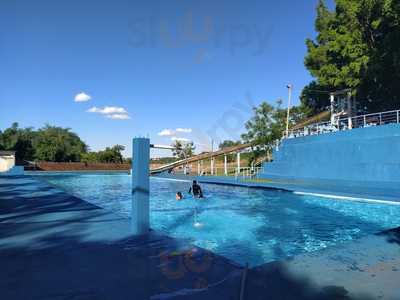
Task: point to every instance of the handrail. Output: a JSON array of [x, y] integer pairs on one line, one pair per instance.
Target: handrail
[[367, 120], [242, 172], [247, 172]]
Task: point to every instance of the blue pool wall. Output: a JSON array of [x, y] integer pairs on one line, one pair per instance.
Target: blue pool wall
[[360, 155]]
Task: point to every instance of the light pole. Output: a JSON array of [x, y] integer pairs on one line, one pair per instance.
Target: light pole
[[289, 87]]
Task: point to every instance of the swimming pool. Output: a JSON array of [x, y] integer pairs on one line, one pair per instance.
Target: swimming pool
[[246, 225]]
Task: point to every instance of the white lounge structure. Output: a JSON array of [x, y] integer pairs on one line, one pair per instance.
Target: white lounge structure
[[7, 164], [7, 160]]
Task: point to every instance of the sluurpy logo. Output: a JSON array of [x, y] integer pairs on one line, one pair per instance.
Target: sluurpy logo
[[172, 265], [211, 35], [229, 124], [176, 265]]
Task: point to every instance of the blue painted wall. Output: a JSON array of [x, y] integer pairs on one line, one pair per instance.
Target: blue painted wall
[[365, 154], [14, 171]]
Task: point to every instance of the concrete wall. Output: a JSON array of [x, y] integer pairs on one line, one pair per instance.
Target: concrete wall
[[6, 163], [79, 166], [365, 154]]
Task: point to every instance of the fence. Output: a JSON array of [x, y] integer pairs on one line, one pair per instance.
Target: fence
[[376, 119], [77, 166], [246, 172]]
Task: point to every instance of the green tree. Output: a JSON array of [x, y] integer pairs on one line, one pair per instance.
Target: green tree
[[357, 47], [117, 149], [108, 155], [19, 140], [315, 98], [380, 23], [339, 56], [24, 146], [90, 157], [183, 150], [228, 143], [264, 129], [267, 126], [10, 136], [58, 144], [177, 150]]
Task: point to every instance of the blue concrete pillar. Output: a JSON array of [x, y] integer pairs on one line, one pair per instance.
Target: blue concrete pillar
[[140, 186]]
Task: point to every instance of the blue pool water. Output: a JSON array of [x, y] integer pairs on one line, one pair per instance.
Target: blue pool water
[[245, 225]]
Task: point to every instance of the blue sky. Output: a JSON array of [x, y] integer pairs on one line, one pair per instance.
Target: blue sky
[[148, 66]]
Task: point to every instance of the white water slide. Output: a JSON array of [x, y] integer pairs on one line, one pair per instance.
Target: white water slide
[[195, 158]]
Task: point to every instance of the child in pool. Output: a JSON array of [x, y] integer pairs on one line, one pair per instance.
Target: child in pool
[[178, 196]]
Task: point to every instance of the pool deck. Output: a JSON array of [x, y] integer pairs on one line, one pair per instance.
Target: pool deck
[[56, 246]]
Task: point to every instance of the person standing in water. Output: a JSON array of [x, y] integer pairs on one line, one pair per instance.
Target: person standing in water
[[196, 189]]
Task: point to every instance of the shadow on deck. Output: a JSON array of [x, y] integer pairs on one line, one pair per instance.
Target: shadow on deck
[[55, 246]]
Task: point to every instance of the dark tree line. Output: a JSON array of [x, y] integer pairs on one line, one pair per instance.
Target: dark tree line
[[54, 144]]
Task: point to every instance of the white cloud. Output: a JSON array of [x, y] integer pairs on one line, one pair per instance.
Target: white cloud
[[111, 112], [118, 116], [171, 132], [93, 109], [184, 130], [82, 97], [108, 110], [175, 138], [166, 132]]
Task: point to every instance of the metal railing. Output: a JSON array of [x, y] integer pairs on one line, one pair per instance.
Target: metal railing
[[313, 129], [243, 172], [369, 120], [249, 172]]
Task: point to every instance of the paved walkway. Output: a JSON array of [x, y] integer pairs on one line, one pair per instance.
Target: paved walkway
[[55, 246]]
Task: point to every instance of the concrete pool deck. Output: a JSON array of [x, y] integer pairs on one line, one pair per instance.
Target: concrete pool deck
[[56, 246]]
